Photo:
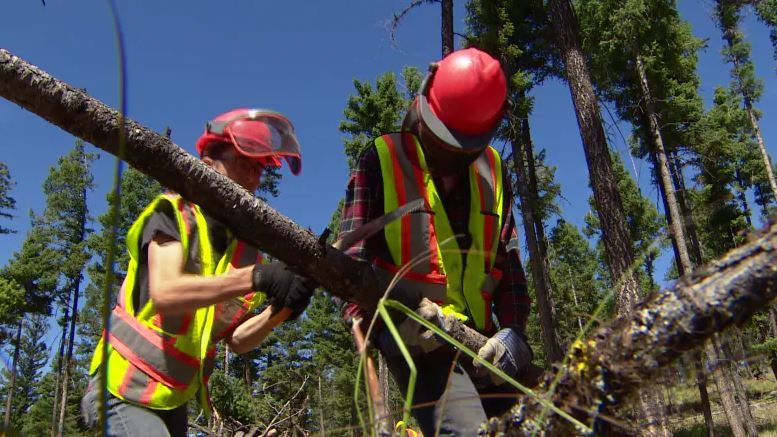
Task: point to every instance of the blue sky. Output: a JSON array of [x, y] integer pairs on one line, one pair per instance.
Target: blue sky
[[188, 61]]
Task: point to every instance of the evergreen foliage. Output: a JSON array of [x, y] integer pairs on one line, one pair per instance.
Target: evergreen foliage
[[33, 355], [371, 112]]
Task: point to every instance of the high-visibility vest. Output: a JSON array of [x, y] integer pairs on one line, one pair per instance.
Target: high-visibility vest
[[161, 361], [462, 283]]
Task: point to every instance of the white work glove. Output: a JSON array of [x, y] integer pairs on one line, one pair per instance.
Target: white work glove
[[508, 351], [415, 336]]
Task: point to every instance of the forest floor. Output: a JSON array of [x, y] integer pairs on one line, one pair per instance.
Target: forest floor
[[687, 419]]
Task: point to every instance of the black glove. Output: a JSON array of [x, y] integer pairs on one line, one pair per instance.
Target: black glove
[[282, 287]]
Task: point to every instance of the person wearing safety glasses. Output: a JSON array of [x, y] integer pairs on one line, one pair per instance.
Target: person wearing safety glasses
[[462, 250], [190, 284]]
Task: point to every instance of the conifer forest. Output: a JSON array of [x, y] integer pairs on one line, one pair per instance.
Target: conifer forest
[[651, 293]]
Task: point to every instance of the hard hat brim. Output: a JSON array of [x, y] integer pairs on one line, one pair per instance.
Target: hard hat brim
[[451, 136]]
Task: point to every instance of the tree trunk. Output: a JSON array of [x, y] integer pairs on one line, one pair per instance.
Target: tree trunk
[[69, 357], [12, 380], [73, 320], [615, 235], [226, 361], [761, 146], [726, 390], [686, 209], [724, 376], [522, 151], [729, 34], [247, 373], [58, 373], [646, 340], [773, 327], [446, 28], [701, 383], [741, 195]]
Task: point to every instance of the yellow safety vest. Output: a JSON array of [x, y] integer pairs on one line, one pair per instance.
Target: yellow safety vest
[[160, 361], [463, 284]]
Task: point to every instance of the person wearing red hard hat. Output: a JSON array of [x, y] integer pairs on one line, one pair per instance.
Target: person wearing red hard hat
[[190, 284], [462, 250]]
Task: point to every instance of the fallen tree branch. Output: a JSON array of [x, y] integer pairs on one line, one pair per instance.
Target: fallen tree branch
[[602, 371], [616, 359]]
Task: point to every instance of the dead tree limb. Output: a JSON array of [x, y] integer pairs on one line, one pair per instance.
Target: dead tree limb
[[616, 359], [602, 371]]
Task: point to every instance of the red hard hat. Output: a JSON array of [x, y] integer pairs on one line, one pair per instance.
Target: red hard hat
[[258, 134], [462, 98]]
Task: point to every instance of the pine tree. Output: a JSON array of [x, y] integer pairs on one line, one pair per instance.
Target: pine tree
[[66, 219], [137, 191], [371, 112], [767, 12], [575, 273], [11, 299], [33, 268], [744, 82], [32, 357], [7, 203]]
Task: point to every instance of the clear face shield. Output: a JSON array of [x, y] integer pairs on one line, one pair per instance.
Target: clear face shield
[[261, 135]]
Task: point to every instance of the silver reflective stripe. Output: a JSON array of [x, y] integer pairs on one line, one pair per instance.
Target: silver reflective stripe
[[488, 190], [491, 281], [151, 351]]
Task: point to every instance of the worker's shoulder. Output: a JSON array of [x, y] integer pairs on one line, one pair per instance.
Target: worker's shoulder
[[370, 151]]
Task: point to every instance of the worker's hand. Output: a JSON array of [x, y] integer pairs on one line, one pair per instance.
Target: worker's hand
[[508, 351], [283, 287], [350, 311], [415, 336]]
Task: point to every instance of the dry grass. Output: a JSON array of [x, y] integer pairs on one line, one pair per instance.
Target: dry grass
[[687, 419]]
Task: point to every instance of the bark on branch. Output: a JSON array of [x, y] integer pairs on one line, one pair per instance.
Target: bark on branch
[[613, 362]]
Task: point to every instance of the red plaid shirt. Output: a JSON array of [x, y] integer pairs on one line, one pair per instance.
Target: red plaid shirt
[[364, 202]]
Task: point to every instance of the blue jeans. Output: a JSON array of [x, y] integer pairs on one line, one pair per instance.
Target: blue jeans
[[128, 420], [446, 398]]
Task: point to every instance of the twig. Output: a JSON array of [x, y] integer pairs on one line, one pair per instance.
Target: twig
[[273, 421]]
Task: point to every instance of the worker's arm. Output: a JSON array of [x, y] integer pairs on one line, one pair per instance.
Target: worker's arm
[[175, 292], [250, 333], [511, 297]]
